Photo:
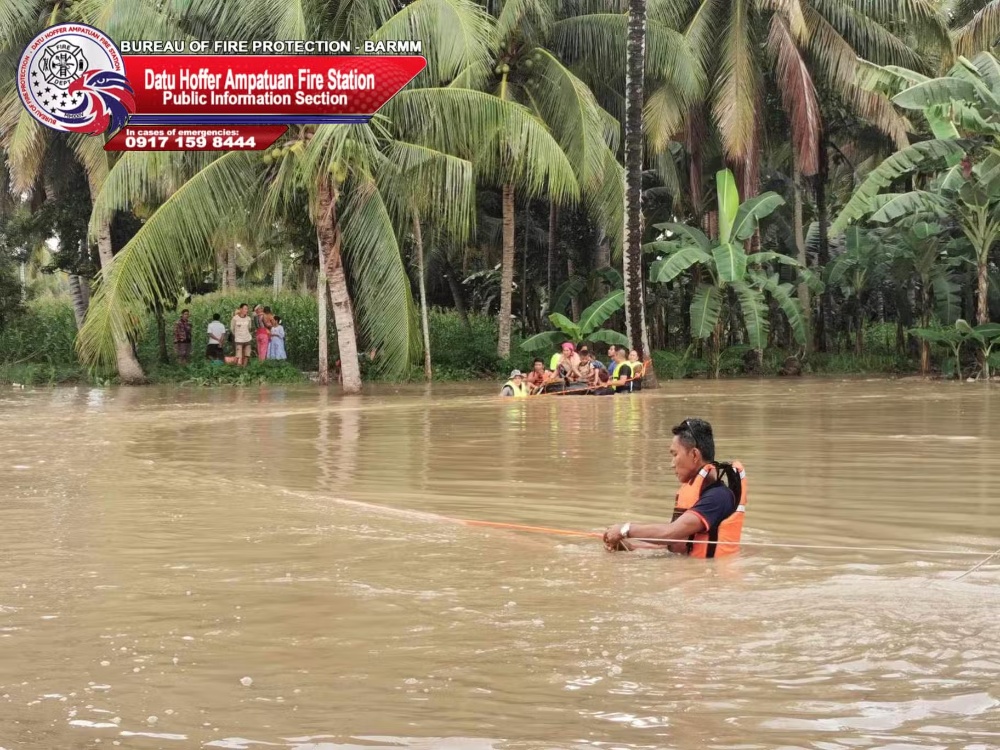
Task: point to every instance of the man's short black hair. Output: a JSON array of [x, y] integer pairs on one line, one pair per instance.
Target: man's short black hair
[[697, 433], [185, 310], [537, 360], [217, 317], [244, 304]]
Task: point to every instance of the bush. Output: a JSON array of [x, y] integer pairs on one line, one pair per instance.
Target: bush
[[459, 353], [204, 372], [45, 333], [298, 315]]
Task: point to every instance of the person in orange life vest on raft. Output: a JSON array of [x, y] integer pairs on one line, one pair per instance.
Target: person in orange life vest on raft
[[708, 514]]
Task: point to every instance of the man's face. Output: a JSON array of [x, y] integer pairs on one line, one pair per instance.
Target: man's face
[[185, 315], [539, 367], [243, 311], [685, 462], [611, 352]]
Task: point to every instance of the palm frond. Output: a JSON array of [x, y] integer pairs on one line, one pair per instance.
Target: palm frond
[[456, 36], [443, 187], [504, 141], [156, 261], [569, 109], [143, 178], [980, 32], [387, 316], [599, 40], [25, 148], [515, 15], [17, 16], [906, 161], [735, 105], [798, 95], [129, 19], [91, 154], [870, 39]]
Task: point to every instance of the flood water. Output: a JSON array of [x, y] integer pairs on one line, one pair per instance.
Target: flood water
[[160, 545]]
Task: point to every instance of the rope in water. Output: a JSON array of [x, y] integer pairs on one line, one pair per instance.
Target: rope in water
[[835, 547]]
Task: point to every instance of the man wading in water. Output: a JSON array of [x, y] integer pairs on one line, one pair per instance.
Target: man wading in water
[[707, 518]]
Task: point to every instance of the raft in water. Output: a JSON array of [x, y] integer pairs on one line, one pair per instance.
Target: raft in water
[[573, 389]]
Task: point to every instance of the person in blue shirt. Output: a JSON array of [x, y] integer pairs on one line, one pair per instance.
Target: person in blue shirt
[[693, 447]]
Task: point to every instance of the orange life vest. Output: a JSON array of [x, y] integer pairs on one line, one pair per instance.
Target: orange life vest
[[727, 533]]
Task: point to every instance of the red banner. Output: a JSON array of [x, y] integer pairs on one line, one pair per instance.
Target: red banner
[[195, 138], [264, 88]]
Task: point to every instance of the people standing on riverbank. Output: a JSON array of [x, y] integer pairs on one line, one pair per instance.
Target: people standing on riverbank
[[261, 316], [276, 347], [216, 339], [242, 336], [182, 338]]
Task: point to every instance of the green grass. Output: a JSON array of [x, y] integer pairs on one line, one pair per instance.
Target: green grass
[[35, 373], [205, 373], [37, 348]]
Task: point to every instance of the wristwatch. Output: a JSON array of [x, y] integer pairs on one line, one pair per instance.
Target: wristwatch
[[625, 530]]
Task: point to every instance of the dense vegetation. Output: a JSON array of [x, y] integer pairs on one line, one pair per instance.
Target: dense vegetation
[[809, 175]]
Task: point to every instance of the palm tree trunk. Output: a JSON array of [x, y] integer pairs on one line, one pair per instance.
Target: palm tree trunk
[[230, 278], [321, 303], [635, 310], [425, 325], [77, 286], [524, 269], [456, 293], [574, 301], [161, 334], [800, 244], [823, 219], [328, 234], [695, 137], [550, 266], [129, 370], [925, 319], [279, 275], [506, 272]]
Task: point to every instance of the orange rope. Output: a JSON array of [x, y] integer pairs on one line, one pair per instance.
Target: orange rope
[[522, 527]]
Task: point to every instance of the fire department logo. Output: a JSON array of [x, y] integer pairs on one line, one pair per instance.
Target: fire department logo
[[61, 63], [71, 78]]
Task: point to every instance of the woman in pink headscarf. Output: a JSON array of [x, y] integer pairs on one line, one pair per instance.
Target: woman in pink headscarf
[[569, 363]]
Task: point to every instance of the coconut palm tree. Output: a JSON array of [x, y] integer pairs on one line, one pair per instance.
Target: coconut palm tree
[[635, 308], [26, 141], [526, 70], [348, 172]]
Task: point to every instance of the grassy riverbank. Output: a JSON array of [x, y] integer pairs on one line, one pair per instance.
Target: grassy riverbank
[[37, 349]]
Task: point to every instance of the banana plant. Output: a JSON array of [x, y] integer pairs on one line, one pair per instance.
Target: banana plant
[[725, 267], [857, 272], [920, 251], [586, 329], [963, 110], [985, 335]]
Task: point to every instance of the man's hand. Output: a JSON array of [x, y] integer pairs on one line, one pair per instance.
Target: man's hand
[[613, 540]]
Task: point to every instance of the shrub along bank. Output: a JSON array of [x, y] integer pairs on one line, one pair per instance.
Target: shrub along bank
[[37, 347]]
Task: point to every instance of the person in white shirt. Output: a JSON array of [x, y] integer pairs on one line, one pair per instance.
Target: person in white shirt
[[216, 338]]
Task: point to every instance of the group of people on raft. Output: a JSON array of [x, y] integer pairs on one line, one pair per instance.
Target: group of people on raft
[[572, 371], [708, 512]]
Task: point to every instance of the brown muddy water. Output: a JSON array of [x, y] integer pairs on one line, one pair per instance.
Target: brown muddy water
[[161, 545]]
